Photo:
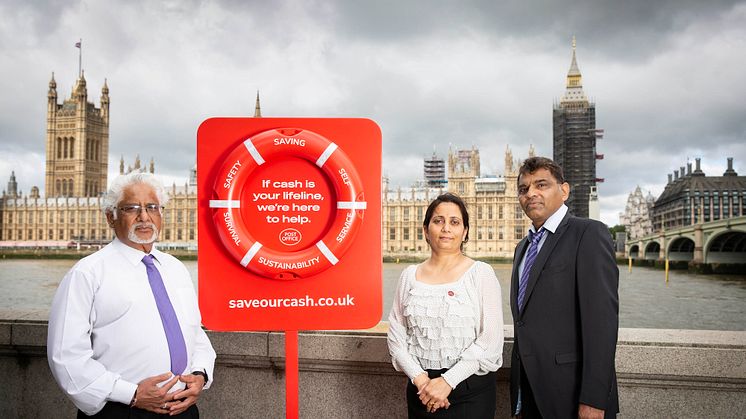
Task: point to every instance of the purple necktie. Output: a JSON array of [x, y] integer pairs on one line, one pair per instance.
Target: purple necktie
[[534, 239], [176, 345]]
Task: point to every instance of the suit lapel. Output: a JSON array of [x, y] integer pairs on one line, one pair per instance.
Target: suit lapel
[[520, 251], [541, 259]]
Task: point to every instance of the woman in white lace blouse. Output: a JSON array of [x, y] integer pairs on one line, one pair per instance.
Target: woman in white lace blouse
[[446, 323]]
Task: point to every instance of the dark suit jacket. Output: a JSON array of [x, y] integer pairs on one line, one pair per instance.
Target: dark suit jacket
[[566, 334]]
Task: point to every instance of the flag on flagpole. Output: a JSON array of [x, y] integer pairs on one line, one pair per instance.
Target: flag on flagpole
[[80, 56]]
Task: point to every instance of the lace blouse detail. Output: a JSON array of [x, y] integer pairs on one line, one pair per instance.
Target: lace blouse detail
[[457, 326], [441, 322]]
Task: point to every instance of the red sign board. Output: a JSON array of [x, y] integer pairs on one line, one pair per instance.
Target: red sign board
[[289, 223]]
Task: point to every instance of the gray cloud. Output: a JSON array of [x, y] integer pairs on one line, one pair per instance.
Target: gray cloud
[[665, 77]]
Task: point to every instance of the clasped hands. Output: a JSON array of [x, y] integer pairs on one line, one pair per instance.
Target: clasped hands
[[149, 396], [433, 392]]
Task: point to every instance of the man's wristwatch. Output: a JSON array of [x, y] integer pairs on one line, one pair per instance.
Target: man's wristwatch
[[202, 373]]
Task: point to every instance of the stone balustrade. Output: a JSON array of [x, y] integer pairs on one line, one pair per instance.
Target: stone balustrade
[[348, 374]]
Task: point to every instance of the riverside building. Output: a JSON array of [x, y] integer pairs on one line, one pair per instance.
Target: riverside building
[[691, 197], [637, 216], [69, 215], [497, 222], [77, 152]]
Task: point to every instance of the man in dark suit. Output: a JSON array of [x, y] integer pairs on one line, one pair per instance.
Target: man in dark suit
[[565, 306]]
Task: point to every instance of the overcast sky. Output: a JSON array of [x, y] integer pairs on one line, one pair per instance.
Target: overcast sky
[[668, 78]]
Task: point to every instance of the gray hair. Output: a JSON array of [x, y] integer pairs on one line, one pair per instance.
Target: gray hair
[[113, 196]]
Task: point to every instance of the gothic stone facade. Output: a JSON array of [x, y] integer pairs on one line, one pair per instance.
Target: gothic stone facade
[[497, 222], [77, 153], [77, 150]]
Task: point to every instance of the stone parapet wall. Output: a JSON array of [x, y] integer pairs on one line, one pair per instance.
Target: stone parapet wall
[[662, 373]]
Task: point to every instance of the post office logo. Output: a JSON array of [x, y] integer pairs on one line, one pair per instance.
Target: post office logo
[[290, 237]]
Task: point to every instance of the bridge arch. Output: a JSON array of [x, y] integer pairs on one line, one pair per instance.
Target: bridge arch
[[634, 251], [652, 251], [726, 247], [681, 248]]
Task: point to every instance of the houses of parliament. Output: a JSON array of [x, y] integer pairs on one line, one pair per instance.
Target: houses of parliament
[[77, 151]]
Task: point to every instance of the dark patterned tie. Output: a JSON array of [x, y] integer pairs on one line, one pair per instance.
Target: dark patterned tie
[[533, 250], [176, 345]]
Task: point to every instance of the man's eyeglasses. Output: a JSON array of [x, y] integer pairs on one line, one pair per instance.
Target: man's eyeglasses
[[132, 210]]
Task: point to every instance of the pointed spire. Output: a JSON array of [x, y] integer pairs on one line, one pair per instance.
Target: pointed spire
[[508, 160], [80, 86], [12, 185], [52, 93], [574, 70], [257, 107], [574, 87], [121, 165], [105, 101]]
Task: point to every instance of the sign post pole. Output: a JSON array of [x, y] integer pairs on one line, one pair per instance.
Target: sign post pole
[[291, 374]]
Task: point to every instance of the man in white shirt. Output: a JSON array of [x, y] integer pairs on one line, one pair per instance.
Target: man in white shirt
[[125, 336]]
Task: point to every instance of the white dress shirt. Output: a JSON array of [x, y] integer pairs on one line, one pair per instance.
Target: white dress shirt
[[105, 331], [457, 325]]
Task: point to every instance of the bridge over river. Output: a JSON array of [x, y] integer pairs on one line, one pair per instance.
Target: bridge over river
[[715, 242]]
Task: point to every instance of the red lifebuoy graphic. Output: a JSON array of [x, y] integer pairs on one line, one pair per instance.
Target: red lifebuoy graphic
[[236, 171]]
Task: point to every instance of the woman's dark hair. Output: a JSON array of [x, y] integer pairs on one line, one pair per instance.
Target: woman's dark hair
[[454, 199]]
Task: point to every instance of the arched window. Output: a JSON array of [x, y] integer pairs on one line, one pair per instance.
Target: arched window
[[59, 147], [57, 188], [72, 148], [64, 148], [70, 189]]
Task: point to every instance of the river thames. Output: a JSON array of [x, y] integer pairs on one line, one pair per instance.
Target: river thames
[[688, 301]]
